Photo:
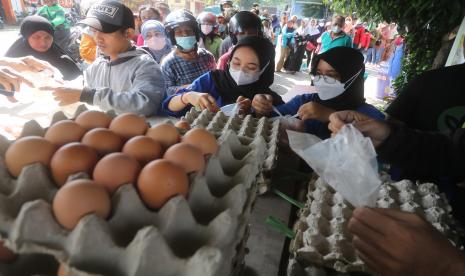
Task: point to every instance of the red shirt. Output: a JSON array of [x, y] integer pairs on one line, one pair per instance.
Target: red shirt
[[365, 41], [358, 34]]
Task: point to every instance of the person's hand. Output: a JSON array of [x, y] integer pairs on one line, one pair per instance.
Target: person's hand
[[11, 80], [262, 104], [65, 95], [202, 100], [393, 242], [243, 105], [28, 63], [376, 130], [316, 111]]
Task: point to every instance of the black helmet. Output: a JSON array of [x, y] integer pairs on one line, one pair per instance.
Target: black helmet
[[222, 2], [180, 18], [244, 20]]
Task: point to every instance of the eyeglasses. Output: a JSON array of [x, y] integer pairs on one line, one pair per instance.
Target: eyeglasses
[[327, 79]]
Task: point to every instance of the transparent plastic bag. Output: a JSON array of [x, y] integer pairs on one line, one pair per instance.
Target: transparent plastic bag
[[346, 161]]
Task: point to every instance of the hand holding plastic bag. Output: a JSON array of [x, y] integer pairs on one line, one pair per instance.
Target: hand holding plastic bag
[[346, 161]]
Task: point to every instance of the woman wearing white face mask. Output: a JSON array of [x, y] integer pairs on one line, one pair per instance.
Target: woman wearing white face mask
[[336, 36], [211, 40], [249, 72], [337, 75], [155, 39]]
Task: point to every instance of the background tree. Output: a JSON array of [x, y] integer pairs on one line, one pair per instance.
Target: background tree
[[428, 24], [315, 9]]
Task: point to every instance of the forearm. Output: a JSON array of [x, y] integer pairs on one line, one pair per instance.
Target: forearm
[[179, 102]]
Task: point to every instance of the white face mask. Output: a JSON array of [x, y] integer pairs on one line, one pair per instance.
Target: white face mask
[[206, 29], [336, 29], [243, 78], [156, 43], [334, 88]]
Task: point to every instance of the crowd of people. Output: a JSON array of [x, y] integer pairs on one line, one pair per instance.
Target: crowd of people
[[162, 62]]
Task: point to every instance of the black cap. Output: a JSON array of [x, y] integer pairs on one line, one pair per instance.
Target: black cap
[[109, 16]]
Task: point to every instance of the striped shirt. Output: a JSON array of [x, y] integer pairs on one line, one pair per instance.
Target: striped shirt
[[178, 71]]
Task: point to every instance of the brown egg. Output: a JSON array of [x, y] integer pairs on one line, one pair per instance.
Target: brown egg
[[183, 125], [166, 134], [6, 255], [70, 159], [128, 125], [79, 198], [64, 132], [202, 139], [161, 180], [186, 156], [115, 170], [26, 151], [103, 140], [144, 149], [93, 119]]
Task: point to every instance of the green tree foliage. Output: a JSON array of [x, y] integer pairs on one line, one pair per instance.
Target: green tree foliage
[[426, 21], [313, 10]]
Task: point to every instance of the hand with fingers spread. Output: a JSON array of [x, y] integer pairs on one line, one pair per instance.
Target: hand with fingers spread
[[28, 63], [11, 80], [202, 100], [243, 105], [262, 104], [315, 111], [376, 130], [393, 242]]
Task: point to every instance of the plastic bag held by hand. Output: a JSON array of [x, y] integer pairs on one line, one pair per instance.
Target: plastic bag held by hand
[[346, 161]]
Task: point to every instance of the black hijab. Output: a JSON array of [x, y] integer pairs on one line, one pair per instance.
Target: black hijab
[[227, 87], [347, 62], [55, 55]]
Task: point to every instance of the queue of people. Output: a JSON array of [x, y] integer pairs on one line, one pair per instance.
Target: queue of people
[[183, 62]]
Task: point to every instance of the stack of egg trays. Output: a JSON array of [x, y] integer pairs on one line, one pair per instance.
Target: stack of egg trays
[[322, 240], [247, 128], [204, 234]]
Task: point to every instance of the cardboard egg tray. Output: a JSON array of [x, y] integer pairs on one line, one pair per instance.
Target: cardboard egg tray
[[323, 240], [204, 234], [247, 128]]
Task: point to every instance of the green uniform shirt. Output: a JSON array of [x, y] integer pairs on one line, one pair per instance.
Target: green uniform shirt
[[327, 42], [213, 47], [55, 14]]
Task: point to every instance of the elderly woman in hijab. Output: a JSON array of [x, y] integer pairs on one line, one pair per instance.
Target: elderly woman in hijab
[[250, 71], [37, 40], [155, 40], [338, 79]]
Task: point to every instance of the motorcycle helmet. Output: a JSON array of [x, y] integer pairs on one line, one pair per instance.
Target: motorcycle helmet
[[244, 20], [207, 18], [180, 18], [222, 2]]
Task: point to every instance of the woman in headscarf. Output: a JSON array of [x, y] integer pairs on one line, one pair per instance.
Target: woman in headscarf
[[250, 71], [37, 40], [155, 39], [338, 78]]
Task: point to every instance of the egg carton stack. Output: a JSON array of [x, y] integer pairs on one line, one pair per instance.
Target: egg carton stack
[[247, 128], [204, 234], [322, 245]]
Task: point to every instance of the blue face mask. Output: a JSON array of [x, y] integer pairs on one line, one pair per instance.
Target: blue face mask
[[186, 42], [221, 28]]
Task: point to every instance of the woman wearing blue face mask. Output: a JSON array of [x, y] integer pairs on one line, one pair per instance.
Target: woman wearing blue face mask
[[336, 36], [155, 40], [250, 71], [337, 76], [187, 61]]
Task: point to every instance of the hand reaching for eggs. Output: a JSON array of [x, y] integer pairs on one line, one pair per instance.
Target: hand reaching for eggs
[[65, 95], [202, 101], [244, 105]]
